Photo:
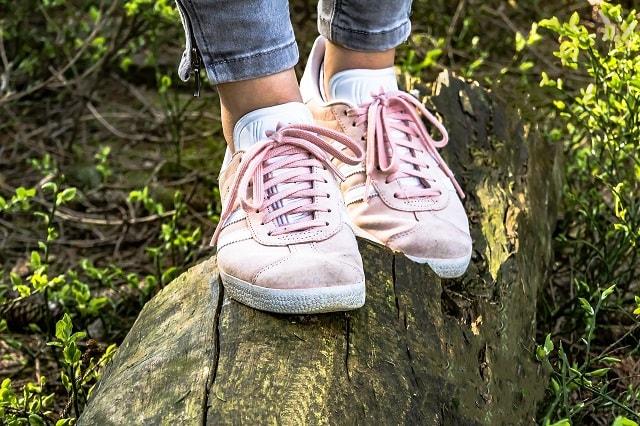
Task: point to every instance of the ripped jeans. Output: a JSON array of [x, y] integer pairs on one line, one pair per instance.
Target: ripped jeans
[[243, 39]]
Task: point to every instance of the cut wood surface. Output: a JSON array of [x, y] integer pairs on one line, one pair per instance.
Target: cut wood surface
[[421, 351]]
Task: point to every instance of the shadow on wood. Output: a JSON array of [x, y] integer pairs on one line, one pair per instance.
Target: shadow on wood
[[421, 351]]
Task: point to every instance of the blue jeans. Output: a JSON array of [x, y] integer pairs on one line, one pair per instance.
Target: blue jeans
[[243, 39]]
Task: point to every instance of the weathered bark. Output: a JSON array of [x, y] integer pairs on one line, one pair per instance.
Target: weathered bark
[[421, 351]]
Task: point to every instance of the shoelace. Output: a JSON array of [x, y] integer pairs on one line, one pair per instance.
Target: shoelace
[[295, 150], [396, 110]]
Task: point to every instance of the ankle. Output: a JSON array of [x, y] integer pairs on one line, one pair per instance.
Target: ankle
[[338, 58], [237, 99]]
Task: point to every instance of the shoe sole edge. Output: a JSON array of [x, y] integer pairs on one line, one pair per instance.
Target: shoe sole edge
[[444, 268], [295, 301]]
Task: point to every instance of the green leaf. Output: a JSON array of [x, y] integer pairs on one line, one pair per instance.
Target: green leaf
[[35, 420], [47, 401], [623, 421], [64, 328], [563, 422], [607, 292], [65, 381], [610, 360], [35, 259], [552, 24], [521, 42], [71, 353], [526, 66], [23, 290], [78, 335], [50, 187], [15, 279], [599, 372], [574, 20], [65, 196], [586, 306], [548, 344]]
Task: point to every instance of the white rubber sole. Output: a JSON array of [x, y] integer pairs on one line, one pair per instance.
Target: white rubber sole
[[295, 301], [444, 268]]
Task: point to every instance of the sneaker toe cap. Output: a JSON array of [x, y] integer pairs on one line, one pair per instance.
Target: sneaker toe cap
[[436, 239], [308, 271]]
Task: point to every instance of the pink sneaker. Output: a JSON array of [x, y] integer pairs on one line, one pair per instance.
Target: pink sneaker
[[402, 195], [283, 242]]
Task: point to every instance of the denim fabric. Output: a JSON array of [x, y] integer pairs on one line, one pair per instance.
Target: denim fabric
[[365, 25], [244, 39]]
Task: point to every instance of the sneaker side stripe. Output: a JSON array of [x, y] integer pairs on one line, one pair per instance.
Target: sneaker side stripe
[[356, 194], [233, 237], [348, 171], [235, 217]]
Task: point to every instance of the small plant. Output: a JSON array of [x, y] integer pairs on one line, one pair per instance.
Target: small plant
[[31, 406], [178, 243], [600, 231], [102, 162], [603, 124]]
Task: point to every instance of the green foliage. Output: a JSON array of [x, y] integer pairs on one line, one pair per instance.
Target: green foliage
[[177, 241], [601, 227], [74, 290], [102, 162], [602, 121], [75, 37], [82, 248], [77, 379]]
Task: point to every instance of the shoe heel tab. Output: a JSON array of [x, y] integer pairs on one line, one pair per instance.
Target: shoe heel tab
[[311, 76]]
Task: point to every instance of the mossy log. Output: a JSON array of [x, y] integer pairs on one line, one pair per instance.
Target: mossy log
[[421, 351]]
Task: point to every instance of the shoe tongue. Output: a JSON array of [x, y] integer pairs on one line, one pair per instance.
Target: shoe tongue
[[251, 128], [356, 86]]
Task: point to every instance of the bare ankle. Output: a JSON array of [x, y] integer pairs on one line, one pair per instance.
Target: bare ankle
[[241, 97], [338, 58]]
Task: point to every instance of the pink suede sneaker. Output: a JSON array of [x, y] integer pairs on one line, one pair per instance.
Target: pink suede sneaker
[[284, 241], [402, 195]]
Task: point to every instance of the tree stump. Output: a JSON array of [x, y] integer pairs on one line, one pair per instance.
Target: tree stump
[[421, 351]]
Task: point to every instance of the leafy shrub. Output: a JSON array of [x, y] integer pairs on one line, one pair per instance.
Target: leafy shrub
[[600, 231], [63, 301]]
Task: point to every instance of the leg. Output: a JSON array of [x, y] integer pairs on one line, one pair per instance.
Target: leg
[[247, 47], [239, 98], [360, 36], [403, 195], [282, 244]]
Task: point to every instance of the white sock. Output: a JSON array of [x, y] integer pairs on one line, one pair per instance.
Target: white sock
[[356, 86], [251, 127]]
